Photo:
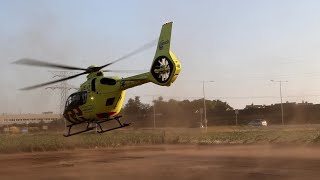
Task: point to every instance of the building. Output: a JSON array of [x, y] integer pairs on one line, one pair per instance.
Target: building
[[252, 106], [46, 117]]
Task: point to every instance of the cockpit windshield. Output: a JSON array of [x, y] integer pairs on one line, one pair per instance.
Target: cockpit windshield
[[76, 99]]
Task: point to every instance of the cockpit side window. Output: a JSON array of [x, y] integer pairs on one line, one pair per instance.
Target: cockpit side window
[[108, 81], [110, 101], [84, 97], [69, 101]]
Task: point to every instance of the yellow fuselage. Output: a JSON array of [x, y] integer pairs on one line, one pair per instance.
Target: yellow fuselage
[[102, 97]]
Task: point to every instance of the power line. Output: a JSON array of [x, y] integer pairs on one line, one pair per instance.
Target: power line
[[226, 97], [64, 87]]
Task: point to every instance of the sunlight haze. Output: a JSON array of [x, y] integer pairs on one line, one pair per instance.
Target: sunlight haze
[[240, 45]]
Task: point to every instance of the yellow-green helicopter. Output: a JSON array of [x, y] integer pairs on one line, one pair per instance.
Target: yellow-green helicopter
[[100, 98]]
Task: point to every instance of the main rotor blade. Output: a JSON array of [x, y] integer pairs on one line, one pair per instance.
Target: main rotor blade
[[34, 62], [53, 82], [125, 71], [137, 51]]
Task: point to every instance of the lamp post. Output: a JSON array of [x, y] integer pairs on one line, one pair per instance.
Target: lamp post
[[280, 82], [154, 109], [204, 104]]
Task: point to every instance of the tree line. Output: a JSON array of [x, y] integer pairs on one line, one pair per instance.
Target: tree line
[[186, 113], [171, 113]]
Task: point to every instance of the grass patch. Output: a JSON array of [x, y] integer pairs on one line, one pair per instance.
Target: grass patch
[[230, 135]]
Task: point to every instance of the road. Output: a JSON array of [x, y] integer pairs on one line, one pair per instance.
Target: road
[[167, 162]]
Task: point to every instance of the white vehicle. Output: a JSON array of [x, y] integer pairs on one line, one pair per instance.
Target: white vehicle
[[258, 122]]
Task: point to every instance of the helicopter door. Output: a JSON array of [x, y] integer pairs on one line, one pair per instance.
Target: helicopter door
[[93, 85]]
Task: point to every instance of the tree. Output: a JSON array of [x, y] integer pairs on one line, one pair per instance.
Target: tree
[[135, 106]]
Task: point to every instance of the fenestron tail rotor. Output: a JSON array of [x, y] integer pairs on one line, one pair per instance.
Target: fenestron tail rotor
[[162, 69], [91, 69]]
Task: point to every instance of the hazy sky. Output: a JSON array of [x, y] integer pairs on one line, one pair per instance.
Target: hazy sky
[[241, 45]]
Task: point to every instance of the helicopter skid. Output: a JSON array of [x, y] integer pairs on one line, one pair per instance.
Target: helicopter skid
[[117, 119], [79, 132], [88, 128]]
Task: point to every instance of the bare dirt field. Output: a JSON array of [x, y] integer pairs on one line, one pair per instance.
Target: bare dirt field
[[167, 162]]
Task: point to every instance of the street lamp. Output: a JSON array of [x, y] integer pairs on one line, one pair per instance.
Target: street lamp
[[154, 109], [280, 82], [204, 103]]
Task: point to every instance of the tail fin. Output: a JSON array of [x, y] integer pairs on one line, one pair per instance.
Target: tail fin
[[165, 67]]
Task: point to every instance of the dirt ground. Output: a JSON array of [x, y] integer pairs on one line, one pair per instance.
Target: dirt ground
[[167, 162]]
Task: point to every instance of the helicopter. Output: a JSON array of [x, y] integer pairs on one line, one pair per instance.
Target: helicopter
[[100, 98]]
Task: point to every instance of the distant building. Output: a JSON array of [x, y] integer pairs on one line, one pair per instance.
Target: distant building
[[46, 117], [252, 106]]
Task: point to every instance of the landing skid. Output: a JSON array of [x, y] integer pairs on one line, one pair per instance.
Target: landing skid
[[101, 130]]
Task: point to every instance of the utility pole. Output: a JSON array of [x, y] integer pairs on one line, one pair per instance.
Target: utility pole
[[154, 113], [204, 104], [154, 109], [201, 121], [236, 112], [280, 82]]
